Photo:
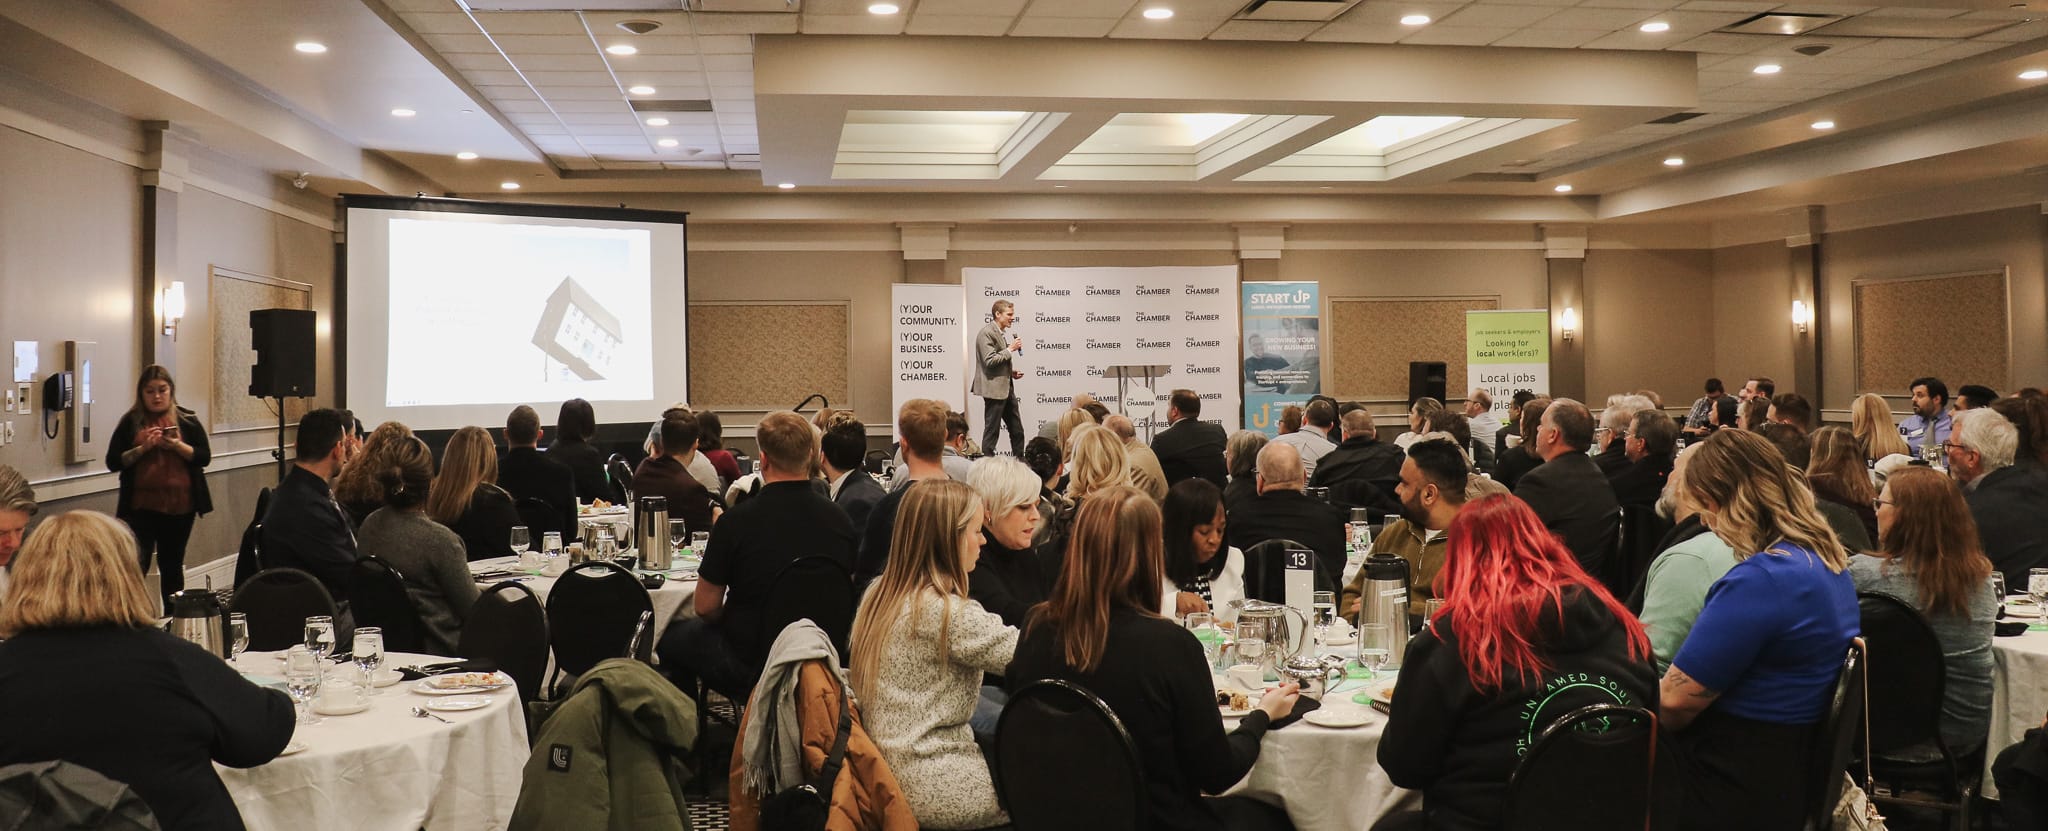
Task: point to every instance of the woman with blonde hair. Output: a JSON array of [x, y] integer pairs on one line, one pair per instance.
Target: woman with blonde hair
[[919, 648], [1871, 421], [357, 488], [87, 677], [1754, 676], [1099, 461], [1070, 420], [1101, 628], [1837, 472], [467, 499], [1929, 558]]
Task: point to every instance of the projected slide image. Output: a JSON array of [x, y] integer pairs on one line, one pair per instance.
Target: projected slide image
[[492, 312]]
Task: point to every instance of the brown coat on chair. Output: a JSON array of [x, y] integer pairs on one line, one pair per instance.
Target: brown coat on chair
[[864, 798]]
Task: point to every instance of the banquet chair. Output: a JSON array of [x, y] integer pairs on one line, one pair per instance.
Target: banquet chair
[[1641, 530], [1265, 571], [621, 474], [816, 587], [277, 602], [539, 517], [1908, 680], [1063, 760], [594, 613], [377, 597], [1611, 744], [1834, 741], [248, 557], [508, 626], [1610, 544]]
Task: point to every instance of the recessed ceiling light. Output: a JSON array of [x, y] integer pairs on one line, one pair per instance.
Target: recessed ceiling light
[[2034, 74], [402, 112], [657, 121], [1158, 13], [310, 47], [1563, 188], [1675, 161], [787, 186], [1767, 69], [622, 49], [642, 89], [1823, 125], [667, 142], [883, 8], [1654, 26], [509, 185], [465, 155], [1415, 20], [1060, 186]]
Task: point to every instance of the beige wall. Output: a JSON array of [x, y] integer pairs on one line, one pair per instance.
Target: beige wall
[[1752, 307], [860, 277], [1648, 322]]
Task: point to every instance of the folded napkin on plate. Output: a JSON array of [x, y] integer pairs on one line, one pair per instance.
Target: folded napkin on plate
[[415, 673]]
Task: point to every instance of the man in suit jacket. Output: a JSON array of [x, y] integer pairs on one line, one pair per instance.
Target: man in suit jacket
[[1190, 447], [304, 528], [1363, 471], [993, 354], [526, 474], [844, 446], [2005, 498], [1283, 511], [1568, 491]]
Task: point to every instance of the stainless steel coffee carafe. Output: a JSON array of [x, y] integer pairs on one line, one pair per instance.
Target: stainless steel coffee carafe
[[1385, 600], [196, 617], [650, 533]]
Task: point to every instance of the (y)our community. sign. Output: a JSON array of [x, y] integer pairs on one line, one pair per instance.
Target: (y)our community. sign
[[1506, 351]]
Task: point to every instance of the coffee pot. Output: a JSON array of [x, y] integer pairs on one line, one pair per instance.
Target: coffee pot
[[650, 533], [1385, 600], [196, 617]]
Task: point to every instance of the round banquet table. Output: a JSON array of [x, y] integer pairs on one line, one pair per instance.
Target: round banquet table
[[1327, 778], [674, 601], [384, 768], [2019, 691]]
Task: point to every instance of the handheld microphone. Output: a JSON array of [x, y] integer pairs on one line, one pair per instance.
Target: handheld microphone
[[1020, 341]]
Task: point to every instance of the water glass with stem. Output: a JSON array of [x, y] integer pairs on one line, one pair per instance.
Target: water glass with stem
[[1374, 649], [521, 539], [302, 681], [2037, 587], [368, 652], [320, 636], [238, 635], [1203, 624], [678, 533], [1324, 604]]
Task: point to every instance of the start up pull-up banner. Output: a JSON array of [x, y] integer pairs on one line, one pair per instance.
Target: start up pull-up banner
[[1080, 325]]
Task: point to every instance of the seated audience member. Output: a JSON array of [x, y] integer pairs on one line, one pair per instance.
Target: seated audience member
[[1525, 637], [1689, 560], [1146, 474], [1361, 472], [1790, 441], [1928, 558], [87, 676], [1043, 456], [1699, 421], [1753, 414], [1656, 401], [429, 557], [1568, 491], [844, 446], [1052, 429], [1510, 466], [466, 496], [919, 648], [1478, 411], [2029, 416], [667, 474], [1241, 459], [1511, 427], [2006, 500], [1202, 574], [1756, 672], [304, 528], [711, 446], [1283, 511], [921, 423], [1652, 438], [1792, 408], [1871, 420], [1101, 630], [1931, 422], [1313, 439], [1098, 461], [575, 426], [1070, 421], [1759, 387], [526, 474], [700, 468], [1096, 410], [1418, 420], [1974, 396], [1836, 472], [1433, 484], [954, 455], [1459, 428], [1610, 439], [1189, 446], [1008, 580], [356, 488], [750, 545], [17, 506], [1290, 420]]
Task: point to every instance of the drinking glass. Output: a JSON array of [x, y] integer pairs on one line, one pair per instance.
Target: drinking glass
[[2037, 587], [678, 533], [1252, 651], [302, 681], [1998, 588], [368, 651], [1374, 649], [521, 539], [551, 544], [1203, 624], [238, 635], [320, 636], [1324, 604], [607, 545]]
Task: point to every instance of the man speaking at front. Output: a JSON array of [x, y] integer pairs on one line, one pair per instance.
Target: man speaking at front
[[992, 354]]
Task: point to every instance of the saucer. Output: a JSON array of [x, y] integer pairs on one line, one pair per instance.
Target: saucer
[[347, 710], [1338, 717], [388, 677]]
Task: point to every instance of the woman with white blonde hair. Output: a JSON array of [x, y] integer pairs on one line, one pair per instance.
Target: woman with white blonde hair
[[87, 677]]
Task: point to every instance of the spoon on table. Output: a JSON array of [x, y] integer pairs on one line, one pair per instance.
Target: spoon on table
[[421, 712]]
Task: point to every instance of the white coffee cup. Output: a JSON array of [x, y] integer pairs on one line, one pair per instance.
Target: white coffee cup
[[1248, 676]]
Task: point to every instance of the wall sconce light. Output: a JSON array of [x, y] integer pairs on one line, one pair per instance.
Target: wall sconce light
[[1568, 323], [173, 307], [1801, 315]]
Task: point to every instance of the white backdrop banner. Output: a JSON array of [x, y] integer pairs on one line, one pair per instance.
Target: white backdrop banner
[[929, 352], [1078, 322]]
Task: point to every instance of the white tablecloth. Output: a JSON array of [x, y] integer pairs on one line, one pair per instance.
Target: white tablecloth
[[674, 601], [1328, 779], [386, 770], [2019, 693]]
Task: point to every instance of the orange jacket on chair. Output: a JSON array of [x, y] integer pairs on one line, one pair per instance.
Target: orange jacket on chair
[[865, 797]]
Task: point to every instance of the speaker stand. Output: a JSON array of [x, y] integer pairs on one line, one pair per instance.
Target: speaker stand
[[278, 454]]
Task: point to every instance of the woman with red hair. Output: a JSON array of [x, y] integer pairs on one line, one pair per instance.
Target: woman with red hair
[[1524, 637]]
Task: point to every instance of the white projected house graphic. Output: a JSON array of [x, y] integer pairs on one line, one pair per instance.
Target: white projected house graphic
[[578, 333]]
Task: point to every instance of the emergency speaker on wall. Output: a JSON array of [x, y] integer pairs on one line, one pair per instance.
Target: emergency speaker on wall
[[283, 339], [1426, 379]]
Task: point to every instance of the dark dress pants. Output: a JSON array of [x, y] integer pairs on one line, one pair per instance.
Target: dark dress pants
[[165, 535], [998, 413]]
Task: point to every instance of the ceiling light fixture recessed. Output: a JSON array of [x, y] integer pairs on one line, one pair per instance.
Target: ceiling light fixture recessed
[[310, 47], [465, 155], [1824, 124], [1767, 69], [1563, 188], [667, 142], [884, 8], [1675, 161], [402, 112], [2034, 74], [1654, 27], [642, 89], [787, 186], [657, 121], [508, 185], [622, 49], [1415, 20], [1158, 13]]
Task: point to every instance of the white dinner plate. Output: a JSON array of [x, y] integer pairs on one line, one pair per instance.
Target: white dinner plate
[[1333, 716], [456, 705], [432, 685], [387, 677], [294, 747], [2028, 610], [349, 710]]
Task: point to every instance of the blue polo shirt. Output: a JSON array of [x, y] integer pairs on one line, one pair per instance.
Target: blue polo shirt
[[1772, 636]]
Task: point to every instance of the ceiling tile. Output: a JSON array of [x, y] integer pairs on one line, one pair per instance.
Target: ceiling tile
[[958, 24], [1837, 47], [1548, 39], [423, 5], [725, 44], [1175, 29], [1378, 33], [520, 107], [1916, 13], [1901, 47], [586, 62], [721, 105], [730, 79], [439, 23], [1722, 43], [1276, 30], [1005, 8], [1696, 22], [1079, 8], [841, 7], [662, 81], [1962, 50], [571, 79], [614, 107], [851, 24], [1605, 20], [1646, 5], [477, 61], [1062, 27], [516, 45], [617, 119], [2019, 13], [581, 93], [1456, 36], [507, 78], [536, 23], [1488, 14], [652, 47], [460, 43], [1630, 39], [747, 24], [508, 93]]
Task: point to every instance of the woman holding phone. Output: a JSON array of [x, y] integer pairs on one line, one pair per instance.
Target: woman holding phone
[[161, 452]]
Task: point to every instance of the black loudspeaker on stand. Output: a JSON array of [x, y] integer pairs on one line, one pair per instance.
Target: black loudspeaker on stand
[[1426, 379], [283, 340]]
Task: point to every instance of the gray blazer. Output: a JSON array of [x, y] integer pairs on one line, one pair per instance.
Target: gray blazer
[[992, 358]]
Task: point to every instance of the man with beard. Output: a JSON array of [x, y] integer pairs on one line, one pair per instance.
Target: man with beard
[[1432, 489]]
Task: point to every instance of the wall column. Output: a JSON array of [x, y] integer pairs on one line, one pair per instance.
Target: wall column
[[1258, 252], [1803, 249], [925, 248], [162, 177], [1564, 260]]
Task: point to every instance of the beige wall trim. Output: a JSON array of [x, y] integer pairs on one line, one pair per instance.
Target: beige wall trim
[[101, 481], [985, 245]]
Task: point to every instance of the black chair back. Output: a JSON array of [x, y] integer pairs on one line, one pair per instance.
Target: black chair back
[[874, 461], [1064, 761], [539, 517], [1265, 571], [509, 627], [1613, 745], [1608, 543], [1641, 530], [1908, 678], [277, 602], [377, 597], [817, 588], [744, 462], [621, 474], [248, 556], [1834, 742], [593, 612]]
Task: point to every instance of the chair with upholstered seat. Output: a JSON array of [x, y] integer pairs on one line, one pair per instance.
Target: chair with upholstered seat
[[594, 613], [377, 597], [1265, 571], [1908, 682]]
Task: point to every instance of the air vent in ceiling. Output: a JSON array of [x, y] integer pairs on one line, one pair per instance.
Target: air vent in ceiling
[[744, 6], [672, 105], [1300, 10], [1675, 118], [1878, 26], [1781, 23]]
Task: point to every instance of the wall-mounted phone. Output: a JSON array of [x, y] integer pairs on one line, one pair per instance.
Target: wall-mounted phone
[[59, 392]]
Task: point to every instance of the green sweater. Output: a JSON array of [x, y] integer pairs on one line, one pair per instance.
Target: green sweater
[[1676, 590], [611, 755]]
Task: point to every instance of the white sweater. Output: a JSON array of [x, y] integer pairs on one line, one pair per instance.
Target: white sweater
[[919, 703]]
